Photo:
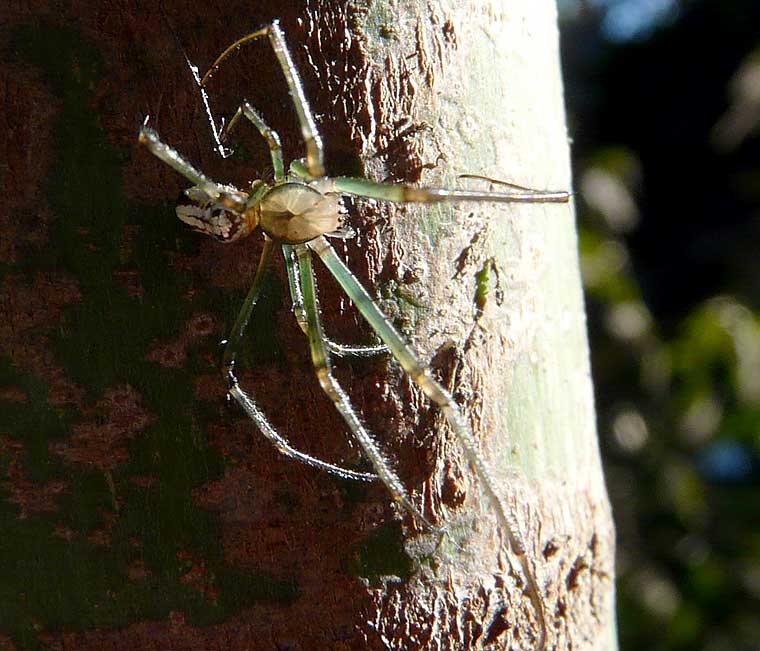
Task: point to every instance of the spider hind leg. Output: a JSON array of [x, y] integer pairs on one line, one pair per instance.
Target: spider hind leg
[[246, 401], [442, 398], [323, 368]]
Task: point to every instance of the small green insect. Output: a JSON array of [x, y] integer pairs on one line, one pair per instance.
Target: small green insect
[[297, 212]]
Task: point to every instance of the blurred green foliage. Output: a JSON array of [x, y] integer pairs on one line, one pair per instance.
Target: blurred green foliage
[[667, 204]]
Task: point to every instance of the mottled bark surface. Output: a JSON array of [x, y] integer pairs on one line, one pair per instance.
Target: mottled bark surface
[[139, 511]]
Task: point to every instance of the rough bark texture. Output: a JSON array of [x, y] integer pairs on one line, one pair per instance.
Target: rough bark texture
[[139, 512]]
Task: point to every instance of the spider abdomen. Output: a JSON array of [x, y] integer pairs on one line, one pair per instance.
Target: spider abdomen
[[295, 212]]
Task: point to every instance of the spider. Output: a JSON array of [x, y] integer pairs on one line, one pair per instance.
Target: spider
[[297, 212]]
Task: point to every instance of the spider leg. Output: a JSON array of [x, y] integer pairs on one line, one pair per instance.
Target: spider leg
[[506, 184], [299, 169], [436, 393], [296, 295], [174, 159], [245, 400], [400, 193], [269, 134], [224, 152], [220, 149], [321, 359], [312, 139]]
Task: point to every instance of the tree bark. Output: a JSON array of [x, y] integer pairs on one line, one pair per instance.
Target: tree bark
[[139, 511], [498, 307]]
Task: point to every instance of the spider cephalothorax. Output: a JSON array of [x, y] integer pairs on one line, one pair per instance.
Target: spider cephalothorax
[[297, 212]]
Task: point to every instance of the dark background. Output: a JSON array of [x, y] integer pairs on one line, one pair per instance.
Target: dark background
[[664, 108]]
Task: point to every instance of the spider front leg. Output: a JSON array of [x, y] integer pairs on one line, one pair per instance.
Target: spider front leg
[[400, 193], [245, 400], [437, 394], [321, 359], [174, 159], [270, 135], [311, 137], [296, 296]]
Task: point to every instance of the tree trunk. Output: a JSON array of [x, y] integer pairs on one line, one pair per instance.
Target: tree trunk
[[139, 512], [475, 88]]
